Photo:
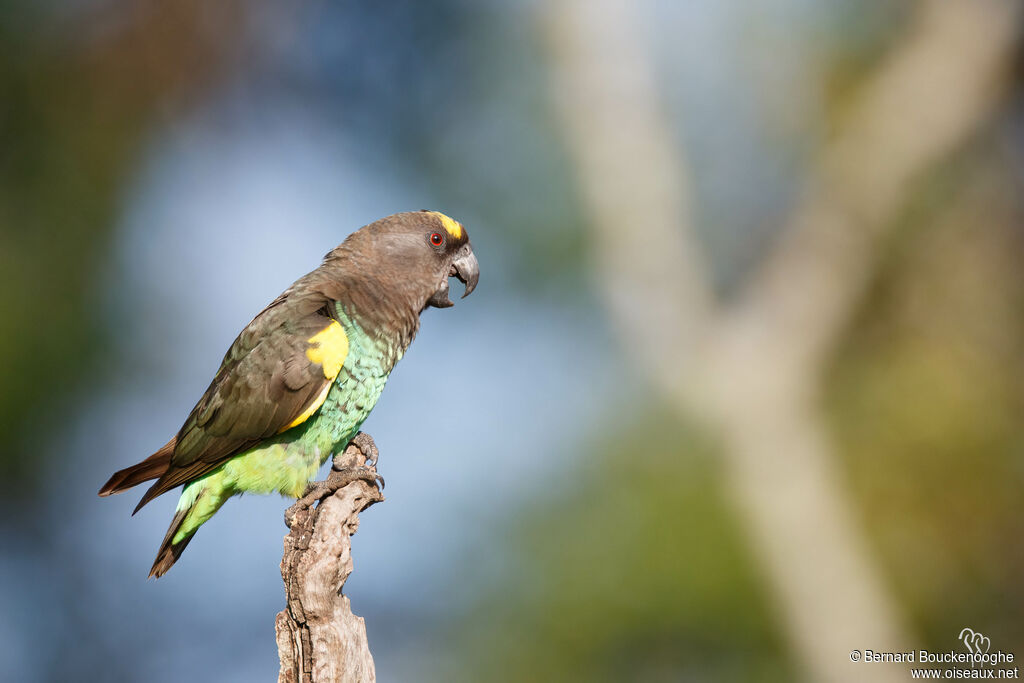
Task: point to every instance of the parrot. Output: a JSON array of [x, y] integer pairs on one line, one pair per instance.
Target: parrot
[[298, 382]]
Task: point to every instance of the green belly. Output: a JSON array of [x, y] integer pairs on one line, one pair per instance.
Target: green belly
[[289, 461]]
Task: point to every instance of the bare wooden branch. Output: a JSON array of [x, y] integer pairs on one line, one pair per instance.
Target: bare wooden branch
[[319, 639]]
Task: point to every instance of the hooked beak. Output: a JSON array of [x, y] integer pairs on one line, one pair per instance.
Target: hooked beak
[[466, 269]]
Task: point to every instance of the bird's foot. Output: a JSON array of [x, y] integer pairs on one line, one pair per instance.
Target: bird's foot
[[356, 463], [364, 442], [361, 453], [338, 479]]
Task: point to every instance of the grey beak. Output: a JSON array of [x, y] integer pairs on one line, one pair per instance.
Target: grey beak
[[467, 270]]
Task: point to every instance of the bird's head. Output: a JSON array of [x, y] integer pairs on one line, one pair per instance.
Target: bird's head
[[415, 253], [452, 255]]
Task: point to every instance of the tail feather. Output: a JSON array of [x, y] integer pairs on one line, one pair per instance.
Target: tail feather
[[170, 552], [199, 501], [150, 468]]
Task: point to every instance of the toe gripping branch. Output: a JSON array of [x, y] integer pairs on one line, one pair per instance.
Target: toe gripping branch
[[358, 462]]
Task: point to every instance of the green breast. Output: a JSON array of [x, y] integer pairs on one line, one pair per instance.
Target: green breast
[[356, 389], [287, 461]]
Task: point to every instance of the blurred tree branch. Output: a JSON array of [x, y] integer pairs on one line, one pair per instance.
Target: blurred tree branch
[[318, 637], [753, 368]]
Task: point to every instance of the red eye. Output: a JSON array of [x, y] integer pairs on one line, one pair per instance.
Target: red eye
[[437, 239]]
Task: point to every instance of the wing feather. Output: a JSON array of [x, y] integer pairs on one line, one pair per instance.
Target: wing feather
[[275, 376]]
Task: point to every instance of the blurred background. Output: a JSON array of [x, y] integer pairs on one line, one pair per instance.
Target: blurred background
[[746, 362]]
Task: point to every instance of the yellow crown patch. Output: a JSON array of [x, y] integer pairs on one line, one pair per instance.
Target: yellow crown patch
[[451, 226]]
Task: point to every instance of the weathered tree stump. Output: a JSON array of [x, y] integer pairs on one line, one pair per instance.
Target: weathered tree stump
[[319, 639]]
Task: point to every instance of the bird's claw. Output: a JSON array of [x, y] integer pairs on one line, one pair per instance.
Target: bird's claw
[[356, 463], [338, 479], [364, 442]]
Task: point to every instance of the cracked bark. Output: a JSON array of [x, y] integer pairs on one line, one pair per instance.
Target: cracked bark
[[319, 639]]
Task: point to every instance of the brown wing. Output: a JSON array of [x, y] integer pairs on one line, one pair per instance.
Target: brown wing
[[274, 376]]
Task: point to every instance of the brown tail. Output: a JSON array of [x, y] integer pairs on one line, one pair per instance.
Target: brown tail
[[170, 552], [150, 468]]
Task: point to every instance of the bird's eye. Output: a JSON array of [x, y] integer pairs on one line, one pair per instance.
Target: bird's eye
[[437, 239]]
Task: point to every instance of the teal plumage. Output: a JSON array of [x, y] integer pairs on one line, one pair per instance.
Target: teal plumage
[[302, 377]]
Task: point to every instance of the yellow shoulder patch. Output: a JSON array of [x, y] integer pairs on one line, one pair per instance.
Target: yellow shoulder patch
[[329, 349], [451, 226]]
